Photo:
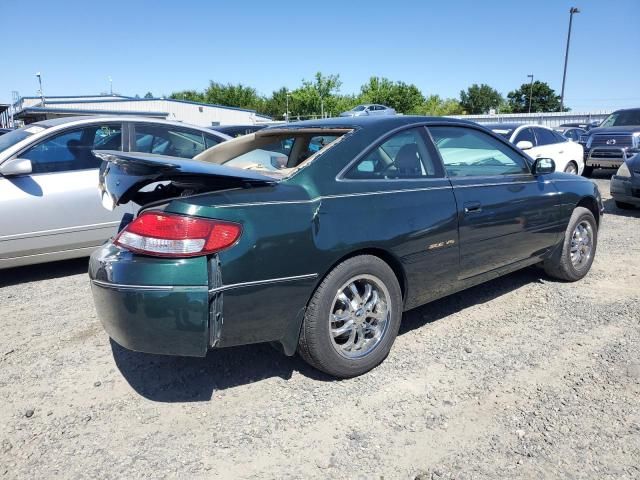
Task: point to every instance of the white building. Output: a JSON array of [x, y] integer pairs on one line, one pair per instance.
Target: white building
[[31, 109]]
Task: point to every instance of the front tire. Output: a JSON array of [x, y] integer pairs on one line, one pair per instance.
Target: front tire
[[353, 318], [572, 167], [573, 260], [587, 172]]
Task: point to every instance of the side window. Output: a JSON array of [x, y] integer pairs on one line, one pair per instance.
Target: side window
[[560, 138], [210, 141], [405, 155], [467, 152], [545, 137], [72, 150], [167, 140], [526, 134]]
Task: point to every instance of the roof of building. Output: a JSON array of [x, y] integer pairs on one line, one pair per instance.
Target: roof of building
[[121, 98]]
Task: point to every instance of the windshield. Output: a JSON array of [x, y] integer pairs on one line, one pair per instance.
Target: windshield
[[359, 108], [622, 119], [275, 153], [10, 139]]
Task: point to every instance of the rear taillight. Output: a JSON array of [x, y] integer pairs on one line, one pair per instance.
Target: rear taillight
[[168, 235]]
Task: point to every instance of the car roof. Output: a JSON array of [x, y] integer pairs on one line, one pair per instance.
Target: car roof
[[82, 119], [388, 121]]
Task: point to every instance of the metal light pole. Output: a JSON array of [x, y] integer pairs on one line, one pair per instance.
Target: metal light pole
[[572, 10], [41, 92], [110, 85], [530, 91], [287, 114]]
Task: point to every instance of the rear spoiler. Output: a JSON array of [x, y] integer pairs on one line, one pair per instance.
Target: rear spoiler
[[124, 174]]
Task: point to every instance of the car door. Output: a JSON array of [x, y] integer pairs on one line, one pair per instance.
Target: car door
[[505, 214], [398, 191], [58, 207]]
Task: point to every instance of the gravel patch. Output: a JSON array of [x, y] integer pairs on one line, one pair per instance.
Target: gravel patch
[[523, 377]]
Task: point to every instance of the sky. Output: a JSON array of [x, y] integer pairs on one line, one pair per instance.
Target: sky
[[442, 47]]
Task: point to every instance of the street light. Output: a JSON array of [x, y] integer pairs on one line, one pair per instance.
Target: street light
[[110, 85], [530, 91], [572, 10], [287, 114], [41, 92]]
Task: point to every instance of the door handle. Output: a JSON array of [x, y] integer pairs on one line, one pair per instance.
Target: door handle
[[472, 207], [561, 151]]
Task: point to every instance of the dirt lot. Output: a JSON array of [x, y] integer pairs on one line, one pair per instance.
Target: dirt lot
[[524, 377]]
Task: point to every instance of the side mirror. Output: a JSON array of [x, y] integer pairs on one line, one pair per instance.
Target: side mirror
[[543, 166], [16, 166], [524, 145]]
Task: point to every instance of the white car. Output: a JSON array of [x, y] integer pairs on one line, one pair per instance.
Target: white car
[[543, 142], [50, 204]]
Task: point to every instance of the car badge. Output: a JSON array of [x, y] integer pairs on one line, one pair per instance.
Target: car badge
[[611, 141]]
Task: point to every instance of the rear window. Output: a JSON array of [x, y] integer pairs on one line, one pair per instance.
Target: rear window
[[278, 154]]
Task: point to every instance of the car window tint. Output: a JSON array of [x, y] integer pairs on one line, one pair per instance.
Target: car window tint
[[545, 137], [167, 140], [525, 135], [404, 155], [211, 141], [559, 138], [470, 152], [72, 150]]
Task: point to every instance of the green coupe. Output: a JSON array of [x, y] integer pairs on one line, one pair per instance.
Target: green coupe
[[317, 236]]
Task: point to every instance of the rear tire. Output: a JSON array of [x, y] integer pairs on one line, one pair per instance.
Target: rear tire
[[587, 172], [346, 334], [624, 205], [573, 260]]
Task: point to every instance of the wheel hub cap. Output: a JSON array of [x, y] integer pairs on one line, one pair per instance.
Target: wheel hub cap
[[359, 316], [581, 244]]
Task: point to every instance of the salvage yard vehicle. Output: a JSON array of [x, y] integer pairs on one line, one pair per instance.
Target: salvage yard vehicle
[[625, 184], [321, 253], [539, 141], [49, 201], [616, 139]]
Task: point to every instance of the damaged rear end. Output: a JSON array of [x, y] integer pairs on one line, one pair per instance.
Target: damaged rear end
[[151, 283]]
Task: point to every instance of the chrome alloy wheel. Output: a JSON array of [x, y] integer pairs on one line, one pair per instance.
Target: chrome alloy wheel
[[581, 244], [359, 316]]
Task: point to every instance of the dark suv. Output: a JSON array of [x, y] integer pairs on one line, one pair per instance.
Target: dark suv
[[616, 139]]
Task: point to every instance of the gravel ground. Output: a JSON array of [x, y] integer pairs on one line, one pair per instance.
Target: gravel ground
[[523, 377]]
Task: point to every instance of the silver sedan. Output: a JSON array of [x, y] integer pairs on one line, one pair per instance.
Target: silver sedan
[[373, 109], [50, 205]]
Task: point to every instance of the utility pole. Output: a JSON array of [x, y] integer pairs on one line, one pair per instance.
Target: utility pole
[[41, 92], [530, 91], [572, 10]]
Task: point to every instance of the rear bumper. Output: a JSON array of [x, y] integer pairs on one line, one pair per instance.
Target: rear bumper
[[625, 190], [148, 305], [169, 322]]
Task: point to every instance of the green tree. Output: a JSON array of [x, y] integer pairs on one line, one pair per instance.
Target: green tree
[[148, 95], [437, 106], [312, 97], [543, 98], [480, 99], [403, 97], [191, 95]]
